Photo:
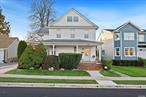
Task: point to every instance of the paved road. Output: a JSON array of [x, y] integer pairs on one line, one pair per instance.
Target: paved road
[[69, 92]]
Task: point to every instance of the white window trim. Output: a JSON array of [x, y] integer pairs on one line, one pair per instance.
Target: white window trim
[[129, 33], [119, 51], [140, 37], [130, 55], [86, 37], [57, 35], [74, 18], [71, 19]]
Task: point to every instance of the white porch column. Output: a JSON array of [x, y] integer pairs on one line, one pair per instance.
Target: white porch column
[[99, 53], [53, 48], [77, 49]]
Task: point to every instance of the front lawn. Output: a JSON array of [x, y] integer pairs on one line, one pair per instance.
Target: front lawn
[[131, 71], [109, 73], [131, 82], [52, 73], [36, 80]]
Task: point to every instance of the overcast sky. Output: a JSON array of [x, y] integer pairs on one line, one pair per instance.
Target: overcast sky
[[104, 13]]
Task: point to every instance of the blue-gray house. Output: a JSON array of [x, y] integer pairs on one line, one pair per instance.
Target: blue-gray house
[[126, 42]]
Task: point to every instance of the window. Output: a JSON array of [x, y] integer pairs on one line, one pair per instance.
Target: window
[[117, 51], [117, 36], [69, 18], [128, 36], [141, 38], [130, 51], [58, 35], [76, 19], [86, 36], [72, 35], [103, 52]]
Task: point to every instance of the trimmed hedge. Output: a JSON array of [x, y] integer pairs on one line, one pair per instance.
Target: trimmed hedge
[[50, 61], [138, 62], [69, 60]]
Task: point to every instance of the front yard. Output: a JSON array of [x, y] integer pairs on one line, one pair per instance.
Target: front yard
[[131, 71], [109, 73], [52, 73], [36, 80]]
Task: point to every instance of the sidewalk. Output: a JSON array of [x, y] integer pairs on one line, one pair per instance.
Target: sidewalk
[[100, 79]]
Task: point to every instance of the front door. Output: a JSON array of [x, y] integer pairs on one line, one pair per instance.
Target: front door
[[87, 53]]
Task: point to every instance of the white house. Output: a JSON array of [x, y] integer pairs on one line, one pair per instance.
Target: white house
[[72, 33], [8, 48]]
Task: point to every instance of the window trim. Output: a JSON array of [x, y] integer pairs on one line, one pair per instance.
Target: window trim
[[128, 38], [68, 19], [139, 38], [75, 17], [71, 35], [86, 37], [130, 55], [116, 51], [57, 35]]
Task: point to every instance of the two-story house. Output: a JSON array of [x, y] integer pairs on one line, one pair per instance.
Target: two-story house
[[126, 42], [72, 33]]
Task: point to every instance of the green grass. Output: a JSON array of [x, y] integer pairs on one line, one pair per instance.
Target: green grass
[[131, 71], [109, 73], [36, 80], [46, 72], [133, 82]]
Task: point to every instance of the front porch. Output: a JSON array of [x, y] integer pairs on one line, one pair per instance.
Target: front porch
[[90, 50]]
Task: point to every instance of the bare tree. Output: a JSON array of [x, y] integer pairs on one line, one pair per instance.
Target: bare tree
[[42, 13]]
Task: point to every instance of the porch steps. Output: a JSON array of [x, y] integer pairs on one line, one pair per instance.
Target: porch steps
[[90, 66]]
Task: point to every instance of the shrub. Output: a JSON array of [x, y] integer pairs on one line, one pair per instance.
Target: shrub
[[138, 62], [107, 63], [69, 60], [25, 61], [38, 56], [51, 61], [21, 47]]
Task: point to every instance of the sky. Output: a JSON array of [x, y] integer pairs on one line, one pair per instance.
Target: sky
[[104, 13]]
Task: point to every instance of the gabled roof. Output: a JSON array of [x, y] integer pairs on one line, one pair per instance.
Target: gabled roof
[[125, 24], [85, 18], [6, 41]]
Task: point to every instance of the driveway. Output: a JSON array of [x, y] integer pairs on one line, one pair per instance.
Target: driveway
[[6, 67]]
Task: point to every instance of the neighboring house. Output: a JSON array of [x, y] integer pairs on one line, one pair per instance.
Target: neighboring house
[[72, 33], [8, 48], [126, 42]]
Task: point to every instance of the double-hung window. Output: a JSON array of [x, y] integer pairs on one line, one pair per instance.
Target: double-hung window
[[76, 19], [141, 38], [69, 18], [117, 51], [58, 35], [128, 36], [129, 51], [86, 36], [72, 35]]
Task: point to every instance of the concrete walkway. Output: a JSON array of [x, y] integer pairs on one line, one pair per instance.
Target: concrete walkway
[[100, 79]]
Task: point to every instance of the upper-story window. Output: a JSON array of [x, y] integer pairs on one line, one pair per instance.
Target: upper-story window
[[58, 35], [69, 18], [86, 36], [141, 38], [72, 35], [117, 36], [128, 36], [76, 19]]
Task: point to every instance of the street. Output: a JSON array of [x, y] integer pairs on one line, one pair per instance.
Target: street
[[69, 92]]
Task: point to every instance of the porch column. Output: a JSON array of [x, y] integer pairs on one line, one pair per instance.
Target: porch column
[[53, 48], [99, 53], [77, 48]]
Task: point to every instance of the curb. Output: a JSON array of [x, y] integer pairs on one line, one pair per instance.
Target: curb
[[54, 85]]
